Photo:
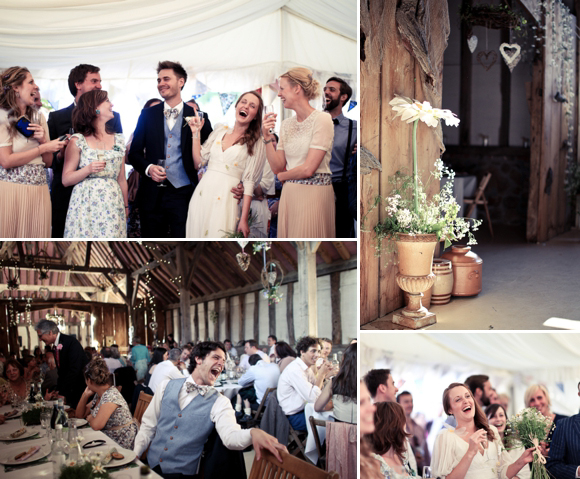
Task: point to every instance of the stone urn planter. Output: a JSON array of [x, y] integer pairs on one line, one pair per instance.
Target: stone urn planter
[[415, 254]]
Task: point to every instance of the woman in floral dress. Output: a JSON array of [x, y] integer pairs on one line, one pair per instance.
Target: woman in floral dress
[[94, 163], [108, 411]]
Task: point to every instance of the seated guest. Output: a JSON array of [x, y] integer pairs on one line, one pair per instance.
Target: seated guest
[[185, 411], [183, 363], [262, 375], [108, 411], [251, 347], [166, 370], [325, 348], [16, 385], [111, 362], [564, 459], [230, 349], [294, 386], [116, 354], [159, 355], [284, 355], [418, 439], [342, 390], [272, 340]]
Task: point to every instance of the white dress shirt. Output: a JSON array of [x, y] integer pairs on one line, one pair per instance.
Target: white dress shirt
[[170, 122], [164, 370], [233, 353], [245, 365], [294, 388], [263, 375], [222, 415]]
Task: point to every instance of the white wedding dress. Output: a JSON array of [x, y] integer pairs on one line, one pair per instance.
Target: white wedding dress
[[213, 210]]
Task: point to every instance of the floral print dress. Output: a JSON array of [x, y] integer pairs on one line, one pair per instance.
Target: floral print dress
[[97, 208], [124, 436]]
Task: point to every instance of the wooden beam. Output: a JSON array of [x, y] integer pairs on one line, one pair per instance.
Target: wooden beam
[[194, 260], [115, 285], [73, 269], [324, 254], [184, 296], [195, 323], [88, 254], [257, 316], [335, 307], [342, 251], [52, 288], [290, 313], [154, 264], [228, 317], [466, 59], [216, 324], [278, 248], [206, 320]]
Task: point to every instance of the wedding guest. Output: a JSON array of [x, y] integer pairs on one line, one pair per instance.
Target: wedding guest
[[82, 79], [233, 155], [70, 360], [230, 349], [111, 362], [388, 441], [108, 412], [94, 164], [159, 355], [167, 369], [483, 456], [337, 93], [481, 388], [191, 404], [16, 384], [342, 390], [307, 202], [140, 358], [504, 401], [116, 354], [160, 135], [497, 416], [284, 355], [418, 439], [272, 340], [369, 467], [537, 396], [261, 375], [381, 385], [251, 347], [25, 152], [259, 208]]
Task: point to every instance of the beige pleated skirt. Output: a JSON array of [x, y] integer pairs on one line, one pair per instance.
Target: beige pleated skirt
[[25, 211], [306, 211]]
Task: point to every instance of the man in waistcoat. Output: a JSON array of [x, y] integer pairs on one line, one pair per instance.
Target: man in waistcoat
[[163, 133], [183, 414]]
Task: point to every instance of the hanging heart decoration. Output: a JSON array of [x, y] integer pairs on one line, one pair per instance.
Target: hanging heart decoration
[[153, 326], [510, 60], [272, 274], [487, 59], [472, 43], [44, 292], [243, 260]]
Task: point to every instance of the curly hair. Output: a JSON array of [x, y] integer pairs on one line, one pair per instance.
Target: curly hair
[[252, 133], [201, 350], [344, 382], [85, 113], [10, 78], [389, 431], [303, 77], [305, 343], [14, 363], [97, 371]]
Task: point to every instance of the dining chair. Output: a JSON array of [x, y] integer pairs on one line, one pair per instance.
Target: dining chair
[[321, 452], [269, 467], [480, 199], [260, 411], [142, 404]]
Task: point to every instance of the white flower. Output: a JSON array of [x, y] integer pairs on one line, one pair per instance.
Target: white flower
[[404, 218], [410, 110]]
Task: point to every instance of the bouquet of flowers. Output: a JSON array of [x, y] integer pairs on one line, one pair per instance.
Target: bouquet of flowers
[[529, 428]]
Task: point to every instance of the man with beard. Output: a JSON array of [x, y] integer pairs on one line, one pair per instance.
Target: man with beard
[[481, 389], [337, 93]]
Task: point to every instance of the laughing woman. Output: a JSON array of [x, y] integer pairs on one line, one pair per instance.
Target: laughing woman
[[474, 449], [25, 152], [232, 156]]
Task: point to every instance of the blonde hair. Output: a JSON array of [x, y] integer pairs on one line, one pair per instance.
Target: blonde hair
[[10, 78], [532, 389], [303, 77]]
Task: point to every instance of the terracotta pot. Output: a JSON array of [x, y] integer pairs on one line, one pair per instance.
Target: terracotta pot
[[415, 254], [443, 286], [467, 271]]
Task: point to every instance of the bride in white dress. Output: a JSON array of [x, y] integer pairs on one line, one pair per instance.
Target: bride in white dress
[[233, 155], [474, 449]]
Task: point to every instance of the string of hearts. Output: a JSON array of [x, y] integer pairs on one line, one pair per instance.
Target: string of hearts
[[511, 54]]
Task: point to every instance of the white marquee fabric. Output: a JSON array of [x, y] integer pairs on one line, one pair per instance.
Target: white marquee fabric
[[226, 45]]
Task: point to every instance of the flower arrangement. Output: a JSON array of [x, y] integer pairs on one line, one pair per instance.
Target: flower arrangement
[[86, 470], [272, 294], [261, 245], [252, 220], [529, 428], [32, 416], [408, 209]]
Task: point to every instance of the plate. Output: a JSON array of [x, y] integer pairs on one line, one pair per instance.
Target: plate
[[79, 422], [129, 457], [29, 433], [8, 459], [15, 416]]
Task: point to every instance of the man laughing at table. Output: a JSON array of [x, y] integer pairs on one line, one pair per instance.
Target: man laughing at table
[[183, 413]]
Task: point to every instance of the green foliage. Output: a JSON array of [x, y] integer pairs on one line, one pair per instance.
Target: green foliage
[[84, 471]]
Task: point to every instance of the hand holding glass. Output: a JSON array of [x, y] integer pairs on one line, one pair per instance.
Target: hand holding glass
[[267, 110], [161, 163]]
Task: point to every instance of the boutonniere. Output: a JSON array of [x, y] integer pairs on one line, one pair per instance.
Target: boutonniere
[[116, 148], [59, 347]]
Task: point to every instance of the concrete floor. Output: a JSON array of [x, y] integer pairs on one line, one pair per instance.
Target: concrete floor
[[524, 284]]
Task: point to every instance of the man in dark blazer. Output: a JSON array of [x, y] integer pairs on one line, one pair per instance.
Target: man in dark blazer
[[163, 133], [70, 361], [81, 79], [564, 458]]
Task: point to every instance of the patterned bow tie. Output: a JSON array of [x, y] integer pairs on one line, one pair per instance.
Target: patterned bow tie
[[191, 387], [172, 112], [335, 121]]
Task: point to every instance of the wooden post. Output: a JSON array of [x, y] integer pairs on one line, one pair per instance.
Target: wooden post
[[206, 319], [290, 313], [242, 333], [4, 329], [335, 305], [184, 296], [216, 325], [272, 318], [465, 87], [195, 323], [257, 316], [228, 318], [307, 289]]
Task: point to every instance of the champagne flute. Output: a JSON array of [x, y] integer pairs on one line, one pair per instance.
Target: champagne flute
[[267, 110], [426, 472], [161, 163]]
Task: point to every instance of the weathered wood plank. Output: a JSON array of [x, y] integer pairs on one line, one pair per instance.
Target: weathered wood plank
[[290, 312], [335, 308]]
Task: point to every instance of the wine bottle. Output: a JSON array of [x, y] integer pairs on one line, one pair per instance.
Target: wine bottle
[[54, 414]]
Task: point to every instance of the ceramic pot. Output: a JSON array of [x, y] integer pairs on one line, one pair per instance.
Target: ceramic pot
[[425, 300], [467, 271], [443, 285]]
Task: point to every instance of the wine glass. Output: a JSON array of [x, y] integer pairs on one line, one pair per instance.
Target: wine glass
[[267, 110], [426, 472], [161, 163]]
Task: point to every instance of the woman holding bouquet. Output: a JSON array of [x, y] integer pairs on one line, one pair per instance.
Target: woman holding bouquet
[[538, 396], [474, 450]]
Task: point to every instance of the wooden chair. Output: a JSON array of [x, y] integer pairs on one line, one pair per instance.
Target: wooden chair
[[480, 199], [261, 408], [142, 404], [319, 449], [269, 467]]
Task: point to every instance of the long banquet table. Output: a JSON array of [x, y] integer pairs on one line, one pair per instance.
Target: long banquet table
[[41, 469]]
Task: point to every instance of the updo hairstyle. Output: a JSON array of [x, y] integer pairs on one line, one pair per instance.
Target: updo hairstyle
[[97, 371], [303, 77]]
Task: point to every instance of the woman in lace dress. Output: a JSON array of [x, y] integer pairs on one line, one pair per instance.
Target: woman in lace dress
[[474, 449], [307, 203], [232, 155], [108, 411], [25, 208], [94, 163]]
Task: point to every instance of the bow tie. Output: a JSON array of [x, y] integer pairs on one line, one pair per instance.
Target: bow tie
[[191, 387], [335, 121], [172, 112]]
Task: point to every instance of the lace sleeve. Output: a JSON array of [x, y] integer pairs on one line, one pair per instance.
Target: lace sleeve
[[323, 132], [254, 167]]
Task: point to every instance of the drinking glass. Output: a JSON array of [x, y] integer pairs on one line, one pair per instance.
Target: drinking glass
[[426, 472], [267, 110], [161, 163]]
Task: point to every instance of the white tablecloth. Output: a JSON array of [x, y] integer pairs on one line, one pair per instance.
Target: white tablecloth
[[229, 390], [310, 448], [44, 470], [463, 187]]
